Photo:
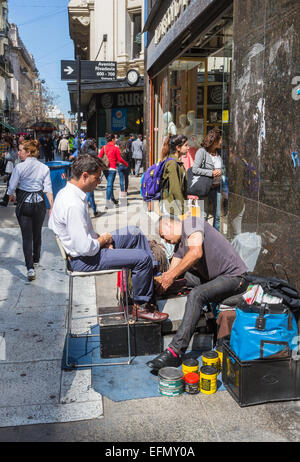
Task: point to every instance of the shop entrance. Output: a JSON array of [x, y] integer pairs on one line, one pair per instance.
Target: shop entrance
[[192, 95]]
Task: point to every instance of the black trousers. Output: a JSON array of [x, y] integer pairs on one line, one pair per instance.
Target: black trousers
[[216, 290], [31, 220]]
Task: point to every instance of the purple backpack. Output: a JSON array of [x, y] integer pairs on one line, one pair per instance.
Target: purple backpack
[[151, 186]]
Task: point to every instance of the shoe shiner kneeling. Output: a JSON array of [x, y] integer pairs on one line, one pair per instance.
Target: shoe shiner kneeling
[[88, 251], [210, 265]]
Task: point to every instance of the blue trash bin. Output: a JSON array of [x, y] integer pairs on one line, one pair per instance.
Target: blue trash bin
[[59, 173]]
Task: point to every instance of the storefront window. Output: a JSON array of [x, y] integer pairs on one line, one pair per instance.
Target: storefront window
[[192, 96]]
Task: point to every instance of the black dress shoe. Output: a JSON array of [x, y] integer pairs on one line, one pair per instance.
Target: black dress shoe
[[115, 201], [165, 359]]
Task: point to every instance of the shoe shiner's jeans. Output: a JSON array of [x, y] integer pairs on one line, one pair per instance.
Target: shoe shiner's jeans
[[131, 250], [216, 290]]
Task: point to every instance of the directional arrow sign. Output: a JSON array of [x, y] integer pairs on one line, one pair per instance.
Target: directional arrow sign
[[68, 70], [102, 71]]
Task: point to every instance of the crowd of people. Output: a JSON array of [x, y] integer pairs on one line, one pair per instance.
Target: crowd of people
[[120, 157]]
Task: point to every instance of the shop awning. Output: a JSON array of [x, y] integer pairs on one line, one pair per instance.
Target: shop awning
[[7, 126]]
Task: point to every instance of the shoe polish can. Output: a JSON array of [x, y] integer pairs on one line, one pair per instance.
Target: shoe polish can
[[211, 358], [219, 350], [171, 381], [190, 365], [192, 383], [208, 380]]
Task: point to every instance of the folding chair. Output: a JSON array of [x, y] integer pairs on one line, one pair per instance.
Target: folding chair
[[69, 317]]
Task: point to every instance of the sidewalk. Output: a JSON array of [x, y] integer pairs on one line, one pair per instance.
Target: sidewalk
[[35, 390]]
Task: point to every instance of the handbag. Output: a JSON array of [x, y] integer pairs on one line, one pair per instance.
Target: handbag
[[105, 158], [263, 331], [198, 185]]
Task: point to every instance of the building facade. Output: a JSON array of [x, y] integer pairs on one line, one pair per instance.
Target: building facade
[[26, 90], [6, 70], [110, 32], [235, 65]]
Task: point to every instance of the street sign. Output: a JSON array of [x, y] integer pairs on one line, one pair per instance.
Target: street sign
[[102, 71]]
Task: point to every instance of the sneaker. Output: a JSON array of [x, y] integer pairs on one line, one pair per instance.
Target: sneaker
[[115, 201], [165, 359], [31, 274], [36, 265]]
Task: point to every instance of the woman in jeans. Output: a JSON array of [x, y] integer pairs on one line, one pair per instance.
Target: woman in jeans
[[114, 157], [124, 171], [209, 163], [30, 180]]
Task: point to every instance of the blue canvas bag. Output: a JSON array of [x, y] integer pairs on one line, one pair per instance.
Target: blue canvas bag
[[151, 186], [263, 331]]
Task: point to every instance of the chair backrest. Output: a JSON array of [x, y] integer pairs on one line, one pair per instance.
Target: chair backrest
[[61, 248]]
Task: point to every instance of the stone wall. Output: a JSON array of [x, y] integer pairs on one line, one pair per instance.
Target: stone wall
[[264, 181]]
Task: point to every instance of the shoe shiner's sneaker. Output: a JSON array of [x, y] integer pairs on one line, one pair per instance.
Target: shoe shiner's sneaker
[[31, 274], [165, 359]]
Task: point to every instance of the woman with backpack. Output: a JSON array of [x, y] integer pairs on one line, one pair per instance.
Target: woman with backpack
[[174, 177], [113, 155]]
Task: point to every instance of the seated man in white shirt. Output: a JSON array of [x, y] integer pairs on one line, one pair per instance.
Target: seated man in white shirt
[[87, 251]]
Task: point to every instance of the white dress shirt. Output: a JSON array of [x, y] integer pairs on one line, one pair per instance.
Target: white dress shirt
[[32, 176], [71, 222]]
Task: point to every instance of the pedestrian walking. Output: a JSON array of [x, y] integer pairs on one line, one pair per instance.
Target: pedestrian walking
[[64, 149], [208, 162], [129, 152], [9, 157], [48, 149], [174, 176], [123, 170], [114, 157], [90, 147], [138, 153], [29, 181]]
